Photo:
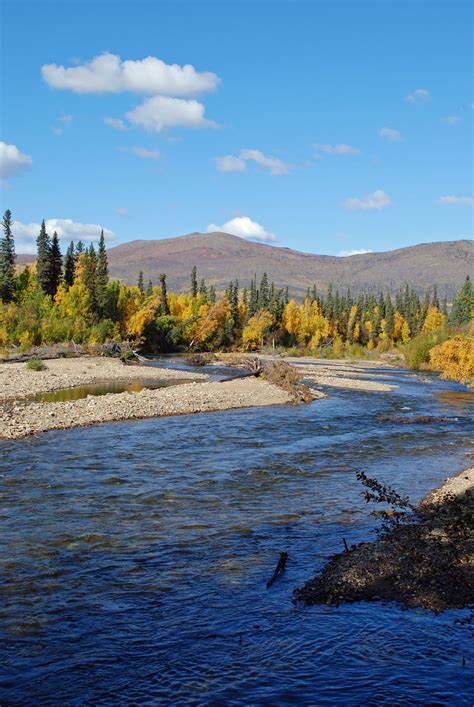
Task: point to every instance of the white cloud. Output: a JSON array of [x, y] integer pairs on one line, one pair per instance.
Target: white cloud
[[12, 161], [375, 201], [161, 112], [390, 134], [146, 154], [107, 73], [420, 95], [115, 123], [347, 253], [451, 120], [456, 200], [244, 227], [26, 233], [230, 163], [341, 149], [274, 165], [121, 211]]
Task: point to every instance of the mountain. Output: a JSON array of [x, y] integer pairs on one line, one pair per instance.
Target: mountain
[[220, 257]]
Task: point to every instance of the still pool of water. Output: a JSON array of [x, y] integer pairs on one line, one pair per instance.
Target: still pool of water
[[103, 388], [134, 557]]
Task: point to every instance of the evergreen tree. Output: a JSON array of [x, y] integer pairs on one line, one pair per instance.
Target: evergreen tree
[[434, 299], [212, 294], [253, 298], [7, 259], [140, 284], [234, 304], [149, 289], [263, 292], [56, 264], [43, 260], [80, 248], [444, 306], [203, 290], [102, 274], [164, 308], [463, 305], [194, 284], [69, 265]]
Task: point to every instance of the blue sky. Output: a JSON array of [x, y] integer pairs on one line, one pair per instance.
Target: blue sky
[[323, 126]]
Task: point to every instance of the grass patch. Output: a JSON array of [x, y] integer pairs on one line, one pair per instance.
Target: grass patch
[[36, 364]]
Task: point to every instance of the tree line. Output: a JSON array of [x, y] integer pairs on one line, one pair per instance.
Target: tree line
[[71, 297]]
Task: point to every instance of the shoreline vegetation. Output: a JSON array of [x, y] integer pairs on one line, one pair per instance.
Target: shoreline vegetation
[[423, 556]]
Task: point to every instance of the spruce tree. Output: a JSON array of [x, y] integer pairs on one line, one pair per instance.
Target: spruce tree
[[80, 248], [463, 305], [43, 260], [212, 294], [140, 284], [7, 260], [194, 284], [102, 275], [164, 308], [56, 265], [203, 290], [69, 265], [263, 292], [149, 289]]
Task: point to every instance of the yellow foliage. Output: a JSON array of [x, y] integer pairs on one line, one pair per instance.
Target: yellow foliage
[[455, 359], [137, 321], [291, 318], [253, 333], [434, 320]]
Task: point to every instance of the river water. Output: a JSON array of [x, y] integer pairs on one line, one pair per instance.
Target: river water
[[134, 557]]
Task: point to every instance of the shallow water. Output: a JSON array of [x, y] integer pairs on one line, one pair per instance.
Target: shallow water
[[134, 557], [103, 388]]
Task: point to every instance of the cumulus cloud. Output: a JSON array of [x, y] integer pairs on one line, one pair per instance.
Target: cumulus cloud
[[341, 149], [390, 134], [115, 123], [375, 201], [161, 112], [121, 211], [451, 120], [420, 95], [456, 200], [12, 161], [347, 253], [244, 227], [26, 233], [107, 73], [230, 163]]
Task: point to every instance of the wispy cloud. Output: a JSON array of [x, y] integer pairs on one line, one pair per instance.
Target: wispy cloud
[[372, 202], [347, 253], [451, 120], [230, 163], [115, 123], [121, 211], [420, 95], [244, 227], [453, 200], [341, 150], [390, 134]]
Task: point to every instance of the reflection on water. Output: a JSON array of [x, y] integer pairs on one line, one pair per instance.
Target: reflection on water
[[463, 399], [103, 388], [134, 558]]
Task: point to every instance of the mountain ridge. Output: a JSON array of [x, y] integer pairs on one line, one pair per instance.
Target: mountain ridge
[[220, 257]]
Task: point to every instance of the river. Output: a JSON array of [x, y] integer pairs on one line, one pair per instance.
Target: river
[[134, 556]]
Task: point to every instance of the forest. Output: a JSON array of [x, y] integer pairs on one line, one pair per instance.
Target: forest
[[71, 298]]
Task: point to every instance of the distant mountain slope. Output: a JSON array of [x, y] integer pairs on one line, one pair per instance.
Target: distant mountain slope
[[220, 257]]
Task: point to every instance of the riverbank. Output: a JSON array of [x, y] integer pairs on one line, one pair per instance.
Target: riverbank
[[18, 421], [425, 562], [18, 381]]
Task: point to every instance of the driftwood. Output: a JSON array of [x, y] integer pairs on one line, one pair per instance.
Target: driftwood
[[239, 376], [280, 568]]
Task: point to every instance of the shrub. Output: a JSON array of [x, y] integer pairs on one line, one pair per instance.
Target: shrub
[[417, 351], [36, 364], [454, 359]]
